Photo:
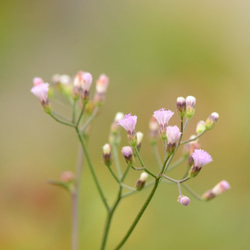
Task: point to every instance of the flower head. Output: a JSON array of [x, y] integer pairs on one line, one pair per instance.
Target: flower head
[[163, 116], [200, 127], [82, 83], [173, 136], [211, 120], [107, 154], [101, 88], [221, 187], [67, 176], [128, 155], [41, 92], [128, 122], [200, 158], [181, 106], [37, 81], [153, 130], [141, 181], [183, 200]]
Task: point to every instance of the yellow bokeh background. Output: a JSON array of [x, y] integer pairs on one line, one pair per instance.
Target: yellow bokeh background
[[153, 52]]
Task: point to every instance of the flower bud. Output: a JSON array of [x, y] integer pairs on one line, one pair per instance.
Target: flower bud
[[220, 188], [153, 130], [200, 127], [173, 136], [183, 200], [67, 176], [101, 88], [107, 155], [128, 155], [141, 181], [181, 106], [139, 137], [190, 106], [211, 120], [37, 81]]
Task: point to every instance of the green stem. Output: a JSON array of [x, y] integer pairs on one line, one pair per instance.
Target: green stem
[[113, 174], [175, 181], [92, 170], [192, 192], [86, 124], [116, 158], [141, 162], [165, 149], [139, 215], [80, 116], [74, 112], [195, 138], [62, 122], [157, 156]]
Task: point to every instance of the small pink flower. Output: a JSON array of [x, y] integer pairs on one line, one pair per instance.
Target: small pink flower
[[221, 187], [41, 92], [128, 122], [37, 81], [128, 155], [163, 116], [173, 134], [83, 80], [201, 158], [183, 200], [102, 84]]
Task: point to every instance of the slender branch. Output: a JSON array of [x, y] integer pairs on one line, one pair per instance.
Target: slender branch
[[195, 138], [192, 192], [179, 188], [113, 174], [74, 112], [139, 215], [141, 162], [138, 169], [80, 116], [186, 123], [86, 124], [175, 181], [92, 170], [61, 116], [157, 156], [116, 158], [165, 149], [62, 122]]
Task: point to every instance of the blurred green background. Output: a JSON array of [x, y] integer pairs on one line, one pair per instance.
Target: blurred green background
[[153, 52]]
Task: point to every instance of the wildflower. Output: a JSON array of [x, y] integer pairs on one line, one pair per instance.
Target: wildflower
[[190, 106], [139, 137], [153, 130], [128, 155], [200, 158], [141, 181], [163, 116], [220, 188], [107, 154], [41, 92], [211, 120], [181, 106], [82, 83], [101, 88], [128, 122], [173, 136], [183, 200], [37, 81], [200, 127]]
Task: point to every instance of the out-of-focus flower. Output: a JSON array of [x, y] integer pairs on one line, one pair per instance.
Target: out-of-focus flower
[[141, 181], [211, 120], [183, 200], [107, 154], [181, 106], [190, 106]]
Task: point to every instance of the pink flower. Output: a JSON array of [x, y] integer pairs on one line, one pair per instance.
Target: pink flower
[[102, 84], [128, 122], [173, 134], [37, 81], [221, 187], [41, 92], [128, 155], [183, 200], [82, 83], [163, 116], [201, 158]]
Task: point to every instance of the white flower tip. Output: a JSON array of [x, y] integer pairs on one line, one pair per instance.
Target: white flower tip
[[143, 176], [106, 149], [119, 116], [139, 136]]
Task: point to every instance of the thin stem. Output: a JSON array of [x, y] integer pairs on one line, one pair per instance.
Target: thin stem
[[128, 187], [186, 123], [86, 124], [75, 200], [192, 192], [61, 116], [165, 149], [81, 113], [157, 156], [141, 162], [74, 112], [116, 158], [175, 181], [113, 174], [92, 170], [177, 163], [139, 215], [195, 138], [62, 122], [138, 169], [179, 188]]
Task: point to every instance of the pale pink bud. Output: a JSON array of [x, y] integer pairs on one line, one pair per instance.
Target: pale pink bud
[[67, 176], [181, 106], [128, 155], [153, 130], [211, 120], [37, 81], [141, 181], [200, 127], [183, 200], [173, 136], [221, 187], [190, 106], [107, 154]]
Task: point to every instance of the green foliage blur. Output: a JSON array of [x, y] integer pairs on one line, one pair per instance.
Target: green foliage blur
[[153, 52]]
